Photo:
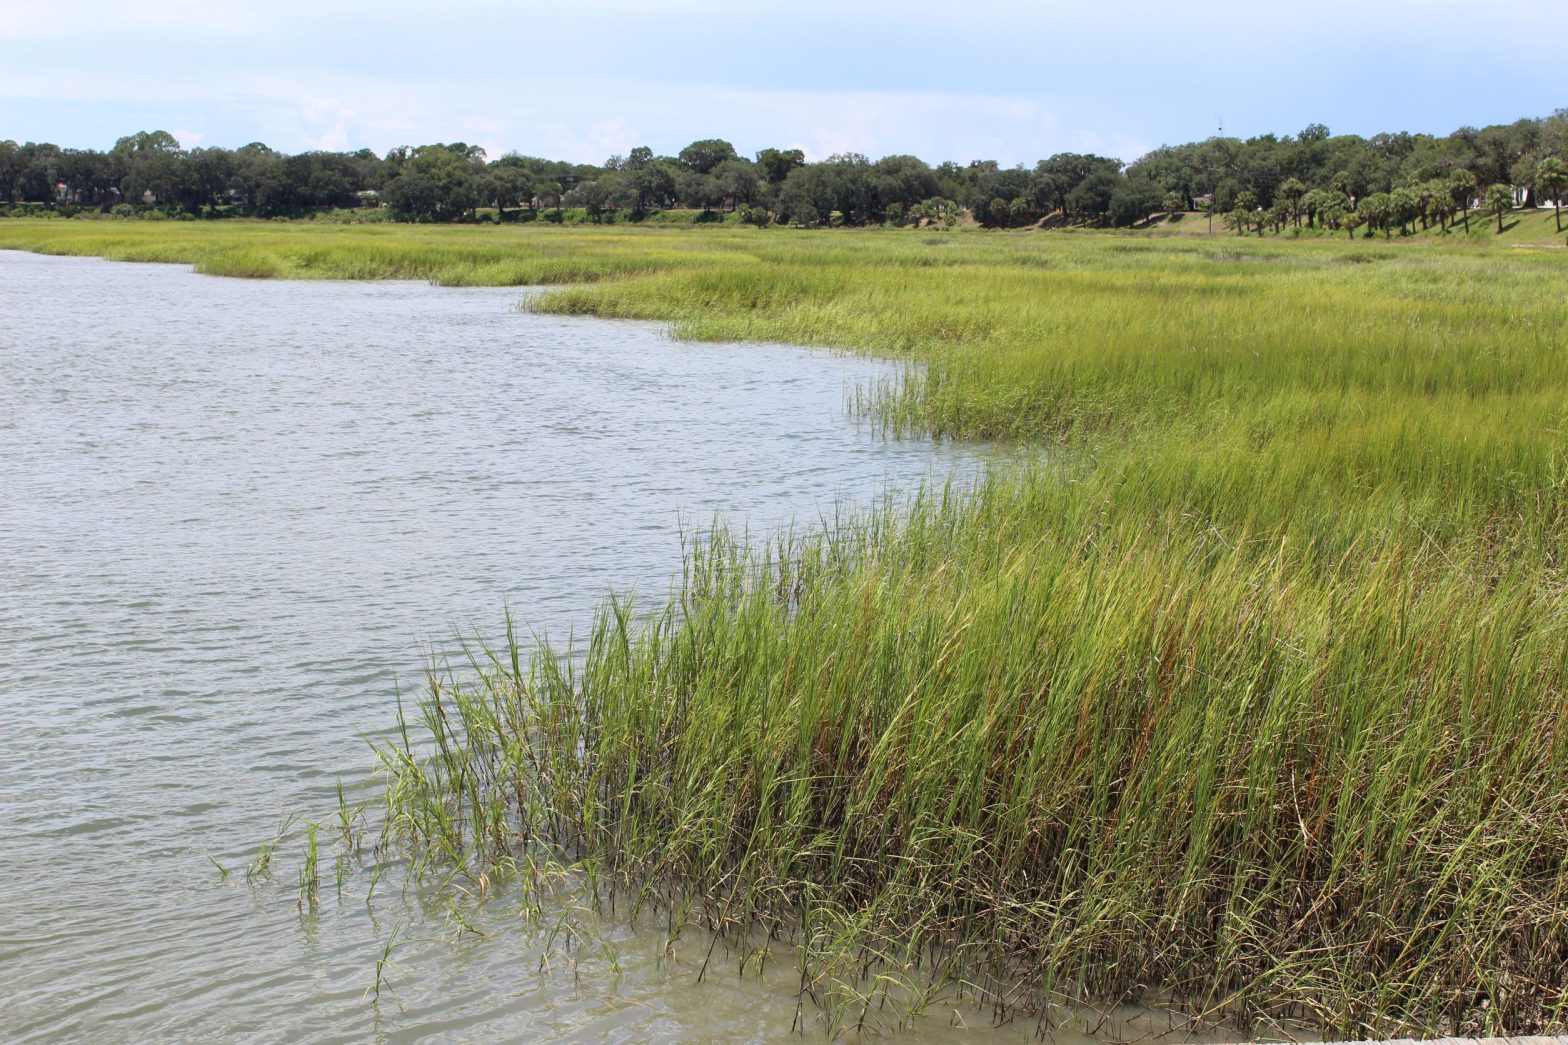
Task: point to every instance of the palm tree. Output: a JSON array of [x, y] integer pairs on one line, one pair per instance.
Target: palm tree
[[1500, 200], [1551, 178], [1439, 203], [1352, 221], [1377, 209], [1405, 207], [1334, 211], [1292, 192], [1422, 191], [1313, 205], [1462, 185]]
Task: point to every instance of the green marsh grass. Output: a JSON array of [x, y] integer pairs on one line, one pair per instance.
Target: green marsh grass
[[1250, 692]]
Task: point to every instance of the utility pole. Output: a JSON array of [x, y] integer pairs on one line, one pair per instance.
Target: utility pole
[[1213, 181]]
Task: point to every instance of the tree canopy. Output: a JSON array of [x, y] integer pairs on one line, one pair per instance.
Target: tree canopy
[[1393, 181]]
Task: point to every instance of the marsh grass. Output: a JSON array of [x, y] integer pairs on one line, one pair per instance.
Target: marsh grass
[[1060, 766], [260, 866], [310, 873], [1248, 693], [384, 964]]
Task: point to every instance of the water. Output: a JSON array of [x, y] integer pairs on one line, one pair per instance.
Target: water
[[234, 517]]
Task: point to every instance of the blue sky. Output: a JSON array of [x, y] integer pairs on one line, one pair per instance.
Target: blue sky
[[1006, 80]]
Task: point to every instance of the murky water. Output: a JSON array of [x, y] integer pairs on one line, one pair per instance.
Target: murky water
[[234, 516]]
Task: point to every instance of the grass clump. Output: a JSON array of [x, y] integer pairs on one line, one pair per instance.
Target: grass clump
[[1251, 695]]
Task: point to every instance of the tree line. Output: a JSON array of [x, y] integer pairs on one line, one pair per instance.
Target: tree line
[[1315, 178]]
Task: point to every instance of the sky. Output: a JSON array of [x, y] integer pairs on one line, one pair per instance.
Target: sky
[[587, 79]]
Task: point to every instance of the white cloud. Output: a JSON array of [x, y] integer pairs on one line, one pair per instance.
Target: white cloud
[[585, 120], [591, 144], [250, 73]]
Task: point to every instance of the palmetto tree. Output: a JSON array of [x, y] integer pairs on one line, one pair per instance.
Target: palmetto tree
[[1551, 178], [1377, 209], [1499, 200], [1352, 220], [1422, 192], [1440, 204], [1405, 207], [1462, 184], [1292, 192], [1334, 211]]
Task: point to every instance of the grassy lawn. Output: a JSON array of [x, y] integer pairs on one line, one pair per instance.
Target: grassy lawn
[[1524, 228]]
